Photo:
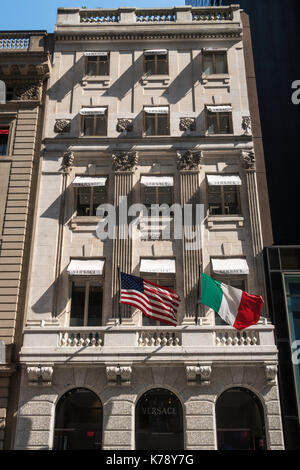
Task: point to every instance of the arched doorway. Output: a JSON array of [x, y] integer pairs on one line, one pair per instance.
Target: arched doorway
[[159, 421], [78, 421], [240, 421]]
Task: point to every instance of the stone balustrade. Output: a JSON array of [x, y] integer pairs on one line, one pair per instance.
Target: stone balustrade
[[23, 41], [237, 338]]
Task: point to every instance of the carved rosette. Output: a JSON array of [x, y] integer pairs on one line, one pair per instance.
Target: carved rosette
[[189, 160], [271, 373], [39, 375], [124, 124], [248, 160], [124, 161], [246, 125], [118, 375], [68, 160], [198, 374], [187, 124], [62, 125]]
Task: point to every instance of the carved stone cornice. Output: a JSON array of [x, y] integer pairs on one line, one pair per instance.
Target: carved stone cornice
[[118, 375], [39, 375], [199, 374], [248, 160], [68, 160], [124, 161], [189, 160]]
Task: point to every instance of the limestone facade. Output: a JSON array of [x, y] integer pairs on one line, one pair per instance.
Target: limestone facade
[[119, 362]]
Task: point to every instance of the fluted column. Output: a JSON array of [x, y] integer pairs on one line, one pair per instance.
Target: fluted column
[[188, 166], [248, 160], [124, 165]]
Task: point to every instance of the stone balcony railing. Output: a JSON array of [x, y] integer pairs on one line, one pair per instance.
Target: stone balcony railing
[[149, 16], [22, 41], [136, 344]]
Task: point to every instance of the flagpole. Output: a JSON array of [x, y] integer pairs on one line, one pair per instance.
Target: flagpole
[[119, 283], [199, 297]]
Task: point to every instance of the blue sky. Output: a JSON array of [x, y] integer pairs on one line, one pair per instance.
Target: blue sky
[[41, 14]]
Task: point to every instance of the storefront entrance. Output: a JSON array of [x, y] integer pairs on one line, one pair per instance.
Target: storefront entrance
[[159, 421], [78, 421], [240, 421]]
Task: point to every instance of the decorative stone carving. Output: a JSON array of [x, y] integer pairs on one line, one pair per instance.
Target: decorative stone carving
[[68, 160], [40, 375], [271, 373], [124, 124], [118, 375], [248, 159], [124, 161], [27, 92], [246, 125], [198, 374], [187, 124], [189, 160], [62, 125]]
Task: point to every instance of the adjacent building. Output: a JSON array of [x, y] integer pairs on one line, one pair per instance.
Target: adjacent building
[[24, 72], [148, 106]]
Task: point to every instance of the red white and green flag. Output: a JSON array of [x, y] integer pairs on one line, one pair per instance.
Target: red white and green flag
[[235, 307]]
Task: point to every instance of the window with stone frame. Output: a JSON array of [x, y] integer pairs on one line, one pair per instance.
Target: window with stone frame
[[223, 200], [157, 195], [86, 301], [156, 64], [164, 280], [4, 137], [219, 122], [7, 126], [156, 124], [215, 62], [88, 199], [97, 65], [94, 125], [237, 281]]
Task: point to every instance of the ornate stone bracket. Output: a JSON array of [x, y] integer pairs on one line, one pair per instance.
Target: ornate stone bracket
[[124, 125], [68, 160], [40, 375], [271, 373], [124, 161], [189, 160], [187, 124], [198, 374], [248, 160], [246, 125], [118, 375], [62, 125]]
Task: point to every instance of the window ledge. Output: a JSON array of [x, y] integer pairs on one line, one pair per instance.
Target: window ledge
[[78, 222], [215, 77], [104, 79], [218, 222], [165, 79]]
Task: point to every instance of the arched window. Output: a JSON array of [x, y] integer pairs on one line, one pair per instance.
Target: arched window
[[159, 421], [78, 421], [240, 421]]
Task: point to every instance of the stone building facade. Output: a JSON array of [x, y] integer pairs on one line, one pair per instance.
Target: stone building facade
[[146, 106], [24, 72]]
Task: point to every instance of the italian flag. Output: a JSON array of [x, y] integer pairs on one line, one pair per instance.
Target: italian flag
[[235, 307]]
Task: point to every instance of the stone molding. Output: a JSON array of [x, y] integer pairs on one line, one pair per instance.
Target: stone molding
[[62, 125], [118, 375], [187, 124], [198, 374], [271, 373], [246, 125], [68, 160], [39, 375], [189, 160], [248, 160], [124, 124], [124, 161]]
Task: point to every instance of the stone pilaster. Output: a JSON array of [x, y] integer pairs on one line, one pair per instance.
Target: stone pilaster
[[188, 165]]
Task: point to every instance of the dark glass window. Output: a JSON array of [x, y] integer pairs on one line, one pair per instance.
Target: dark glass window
[[159, 421], [156, 124], [274, 258], [94, 125], [290, 258], [223, 200], [78, 421], [4, 134], [219, 123], [86, 303], [97, 65], [215, 63], [89, 198], [156, 64], [157, 195]]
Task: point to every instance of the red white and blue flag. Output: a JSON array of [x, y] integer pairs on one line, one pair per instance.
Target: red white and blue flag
[[156, 302]]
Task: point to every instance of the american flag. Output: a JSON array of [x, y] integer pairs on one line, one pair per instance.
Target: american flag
[[157, 302]]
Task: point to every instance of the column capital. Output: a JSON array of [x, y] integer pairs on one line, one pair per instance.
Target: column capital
[[189, 160], [124, 161]]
